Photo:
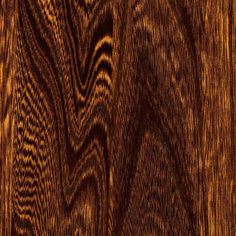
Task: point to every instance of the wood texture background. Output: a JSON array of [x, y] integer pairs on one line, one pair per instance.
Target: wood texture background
[[118, 117]]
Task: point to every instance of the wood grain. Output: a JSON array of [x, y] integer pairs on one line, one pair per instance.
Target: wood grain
[[117, 117]]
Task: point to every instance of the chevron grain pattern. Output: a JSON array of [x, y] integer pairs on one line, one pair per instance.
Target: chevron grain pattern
[[117, 117]]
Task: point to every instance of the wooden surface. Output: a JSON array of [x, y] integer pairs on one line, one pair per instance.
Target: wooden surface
[[118, 117]]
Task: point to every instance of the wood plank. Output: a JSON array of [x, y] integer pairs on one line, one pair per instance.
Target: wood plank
[[117, 117]]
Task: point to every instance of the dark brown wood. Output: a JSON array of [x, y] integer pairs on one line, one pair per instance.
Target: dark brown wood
[[117, 117]]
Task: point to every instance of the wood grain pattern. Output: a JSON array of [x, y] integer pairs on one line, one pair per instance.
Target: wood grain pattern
[[117, 117]]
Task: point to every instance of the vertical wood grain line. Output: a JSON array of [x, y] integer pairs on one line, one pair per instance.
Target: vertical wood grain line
[[8, 68]]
